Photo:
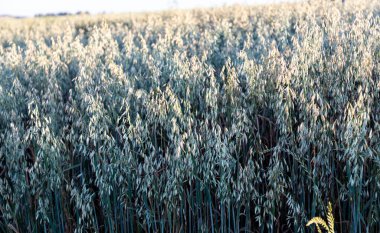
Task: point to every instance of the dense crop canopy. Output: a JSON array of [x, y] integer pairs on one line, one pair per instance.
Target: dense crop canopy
[[224, 120]]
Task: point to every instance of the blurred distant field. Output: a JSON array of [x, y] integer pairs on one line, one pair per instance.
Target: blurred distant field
[[234, 119]]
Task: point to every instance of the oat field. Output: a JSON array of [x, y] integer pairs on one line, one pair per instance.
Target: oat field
[[234, 119]]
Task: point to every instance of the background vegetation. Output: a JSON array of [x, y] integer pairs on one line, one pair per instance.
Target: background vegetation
[[224, 120]]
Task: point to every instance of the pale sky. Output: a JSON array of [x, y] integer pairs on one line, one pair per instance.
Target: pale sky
[[32, 7]]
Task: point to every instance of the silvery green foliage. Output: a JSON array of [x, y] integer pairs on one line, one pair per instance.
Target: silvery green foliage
[[225, 120]]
